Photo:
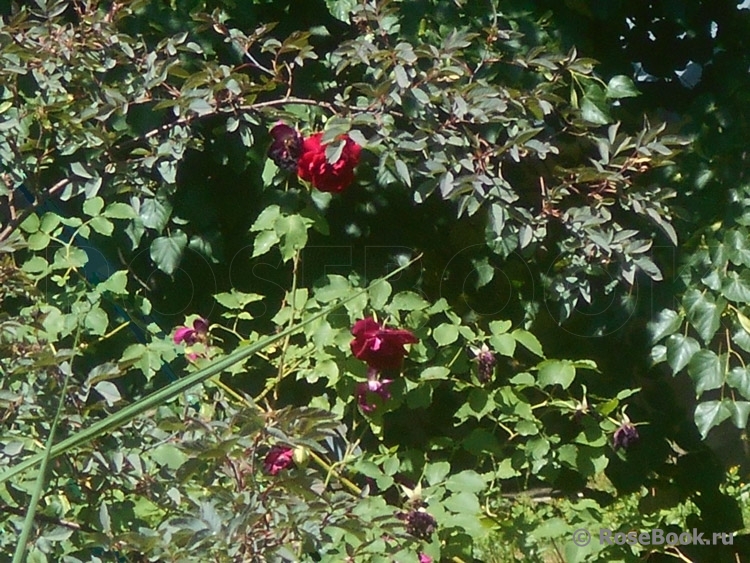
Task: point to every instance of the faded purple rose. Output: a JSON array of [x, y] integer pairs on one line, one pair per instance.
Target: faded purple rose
[[419, 523], [314, 167], [278, 459], [625, 436], [286, 147], [424, 558], [485, 359], [190, 336], [382, 348], [367, 393]]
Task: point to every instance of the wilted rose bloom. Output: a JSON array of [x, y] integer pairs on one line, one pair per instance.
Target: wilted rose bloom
[[192, 335], [278, 459], [424, 558], [365, 392], [382, 348], [314, 167], [486, 361], [420, 523], [625, 436], [286, 146]]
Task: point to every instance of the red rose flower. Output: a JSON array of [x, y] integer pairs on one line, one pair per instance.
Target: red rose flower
[[314, 167], [278, 459], [382, 348]]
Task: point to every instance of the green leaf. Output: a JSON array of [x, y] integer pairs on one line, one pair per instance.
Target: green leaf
[[81, 171], [503, 344], [468, 480], [408, 301], [403, 172], [294, 230], [109, 392], [705, 369], [30, 224], [168, 455], [744, 322], [50, 221], [500, 327], [703, 313], [445, 334], [102, 225], [736, 287], [666, 323], [680, 350], [434, 473], [528, 341], [93, 206], [621, 86], [116, 283], [166, 252], [463, 503], [236, 299], [595, 111], [710, 414], [264, 242], [740, 411], [155, 214], [119, 211], [556, 372], [435, 372], [739, 379], [379, 295], [737, 246], [267, 219], [38, 241], [96, 321]]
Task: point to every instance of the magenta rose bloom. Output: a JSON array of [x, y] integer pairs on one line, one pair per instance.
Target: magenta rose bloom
[[314, 167], [367, 392], [382, 348], [278, 459], [424, 558], [192, 335]]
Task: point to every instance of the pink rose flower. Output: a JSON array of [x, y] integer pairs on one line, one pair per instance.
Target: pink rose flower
[[278, 459], [192, 335]]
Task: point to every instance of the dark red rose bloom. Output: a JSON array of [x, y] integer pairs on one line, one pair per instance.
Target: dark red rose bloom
[[286, 146], [278, 459], [367, 392], [419, 523], [192, 335], [625, 436], [382, 348], [314, 167]]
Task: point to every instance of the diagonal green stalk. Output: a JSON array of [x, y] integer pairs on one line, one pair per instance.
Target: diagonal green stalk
[[28, 522], [175, 388]]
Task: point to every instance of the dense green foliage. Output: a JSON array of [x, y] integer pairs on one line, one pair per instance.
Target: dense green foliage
[[560, 185]]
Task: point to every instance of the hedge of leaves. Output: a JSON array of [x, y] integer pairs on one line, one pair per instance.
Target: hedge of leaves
[[351, 281]]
